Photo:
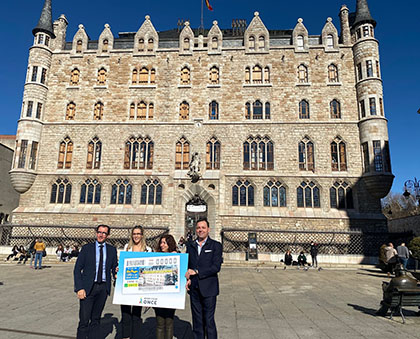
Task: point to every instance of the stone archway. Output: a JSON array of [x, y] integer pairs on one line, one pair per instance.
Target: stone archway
[[196, 191]]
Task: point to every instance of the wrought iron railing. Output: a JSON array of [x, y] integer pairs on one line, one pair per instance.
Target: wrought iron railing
[[329, 242], [54, 235]]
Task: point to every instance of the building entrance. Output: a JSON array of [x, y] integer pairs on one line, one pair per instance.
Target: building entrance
[[195, 209]]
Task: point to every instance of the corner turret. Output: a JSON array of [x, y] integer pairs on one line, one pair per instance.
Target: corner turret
[[45, 24], [363, 14]]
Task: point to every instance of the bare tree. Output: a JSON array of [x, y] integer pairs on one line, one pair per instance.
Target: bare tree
[[395, 206]]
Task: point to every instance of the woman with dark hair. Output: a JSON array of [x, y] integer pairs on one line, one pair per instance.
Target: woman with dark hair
[[131, 315], [165, 316], [14, 253]]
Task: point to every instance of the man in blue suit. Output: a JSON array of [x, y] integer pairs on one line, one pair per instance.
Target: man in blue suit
[[204, 261], [92, 281]]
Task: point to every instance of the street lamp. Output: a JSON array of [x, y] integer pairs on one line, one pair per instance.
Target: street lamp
[[413, 186]]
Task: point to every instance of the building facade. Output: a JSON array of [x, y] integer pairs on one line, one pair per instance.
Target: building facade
[[289, 128]]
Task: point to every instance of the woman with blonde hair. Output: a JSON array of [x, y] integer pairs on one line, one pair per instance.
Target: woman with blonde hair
[[131, 315]]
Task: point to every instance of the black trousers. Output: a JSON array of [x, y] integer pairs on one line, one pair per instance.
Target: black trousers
[[131, 321], [90, 312], [202, 311]]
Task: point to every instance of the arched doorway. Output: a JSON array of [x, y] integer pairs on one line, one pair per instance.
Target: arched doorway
[[195, 209]]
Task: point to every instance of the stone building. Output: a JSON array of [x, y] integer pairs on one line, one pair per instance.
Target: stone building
[[289, 127]]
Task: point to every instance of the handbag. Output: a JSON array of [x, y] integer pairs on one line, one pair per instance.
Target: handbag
[[44, 253]]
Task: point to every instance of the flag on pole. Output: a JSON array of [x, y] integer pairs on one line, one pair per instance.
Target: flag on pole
[[208, 5]]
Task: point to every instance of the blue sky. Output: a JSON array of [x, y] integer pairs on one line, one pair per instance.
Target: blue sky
[[398, 32]]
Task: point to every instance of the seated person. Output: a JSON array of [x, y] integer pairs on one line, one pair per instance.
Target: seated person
[[15, 251], [22, 254], [74, 252], [65, 256], [302, 259], [59, 251], [288, 259]]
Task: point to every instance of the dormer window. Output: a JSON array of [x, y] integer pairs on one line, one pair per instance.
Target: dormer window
[[105, 45], [300, 42], [214, 43], [261, 43], [330, 41], [141, 45], [251, 43], [79, 46], [150, 45], [186, 44]]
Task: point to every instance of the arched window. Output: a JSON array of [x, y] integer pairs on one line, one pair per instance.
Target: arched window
[[98, 111], [74, 79], [251, 43], [144, 76], [186, 45], [335, 109], [61, 192], [150, 45], [341, 196], [102, 76], [306, 155], [151, 111], [152, 76], [151, 192], [184, 111], [182, 154], [332, 73], [300, 42], [267, 75], [141, 110], [274, 194], [247, 110], [94, 154], [258, 154], [213, 110], [121, 192], [257, 109], [214, 75], [330, 41], [257, 75], [79, 45], [213, 154], [214, 43], [138, 153], [267, 110], [141, 45], [22, 154], [247, 75], [185, 76], [105, 45], [302, 74], [243, 193], [132, 111], [308, 195], [304, 110], [90, 192], [65, 153], [134, 76], [261, 43], [338, 155], [70, 111]]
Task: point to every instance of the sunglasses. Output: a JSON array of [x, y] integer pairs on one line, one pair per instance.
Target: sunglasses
[[103, 233]]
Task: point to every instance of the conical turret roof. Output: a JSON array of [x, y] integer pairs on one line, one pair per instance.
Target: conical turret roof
[[363, 14], [45, 23]]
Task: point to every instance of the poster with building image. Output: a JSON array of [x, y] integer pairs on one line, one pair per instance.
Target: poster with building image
[[151, 279]]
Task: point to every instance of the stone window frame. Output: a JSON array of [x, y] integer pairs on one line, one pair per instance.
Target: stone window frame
[[90, 192], [122, 191], [136, 74], [258, 154], [214, 75], [151, 192], [250, 110], [306, 154], [243, 193], [304, 109], [136, 107], [33, 155], [333, 73], [98, 110], [75, 77], [338, 155], [102, 76], [335, 109], [184, 110], [303, 74], [94, 153], [23, 150], [138, 153], [213, 154], [70, 111], [182, 153], [341, 195], [308, 195], [65, 153], [61, 190], [272, 190], [214, 110], [264, 75], [185, 76], [105, 45]]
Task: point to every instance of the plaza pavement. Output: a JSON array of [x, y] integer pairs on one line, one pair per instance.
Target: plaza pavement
[[262, 303]]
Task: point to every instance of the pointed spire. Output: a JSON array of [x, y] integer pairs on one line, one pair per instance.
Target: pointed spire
[[363, 14], [45, 23]]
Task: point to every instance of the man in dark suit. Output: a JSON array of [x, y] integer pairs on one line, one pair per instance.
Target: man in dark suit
[[92, 281], [204, 261]]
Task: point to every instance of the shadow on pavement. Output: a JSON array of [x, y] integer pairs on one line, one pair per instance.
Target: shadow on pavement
[[370, 311]]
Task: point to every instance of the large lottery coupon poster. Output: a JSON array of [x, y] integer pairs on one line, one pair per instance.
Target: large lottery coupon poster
[[151, 279]]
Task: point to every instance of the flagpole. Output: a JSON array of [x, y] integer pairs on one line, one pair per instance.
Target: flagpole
[[202, 15]]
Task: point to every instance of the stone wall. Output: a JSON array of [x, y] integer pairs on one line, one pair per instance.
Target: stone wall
[[406, 224]]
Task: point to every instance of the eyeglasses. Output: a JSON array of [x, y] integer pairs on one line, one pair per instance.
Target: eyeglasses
[[103, 233], [137, 233]]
